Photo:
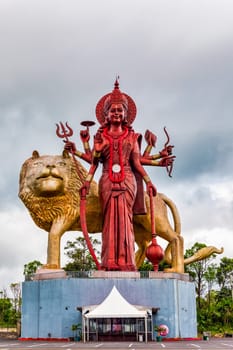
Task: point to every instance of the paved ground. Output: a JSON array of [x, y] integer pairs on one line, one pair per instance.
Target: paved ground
[[213, 344]]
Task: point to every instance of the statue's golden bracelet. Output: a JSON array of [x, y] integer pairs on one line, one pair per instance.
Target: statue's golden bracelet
[[96, 154], [86, 145], [148, 148], [89, 177], [146, 179], [156, 156], [79, 154]]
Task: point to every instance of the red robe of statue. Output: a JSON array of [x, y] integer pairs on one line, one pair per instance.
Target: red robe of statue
[[118, 189]]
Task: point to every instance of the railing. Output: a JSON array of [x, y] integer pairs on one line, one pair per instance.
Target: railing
[[89, 274], [79, 274], [84, 274], [119, 274]]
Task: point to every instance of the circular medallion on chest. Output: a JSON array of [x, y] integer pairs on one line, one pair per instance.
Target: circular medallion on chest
[[116, 168]]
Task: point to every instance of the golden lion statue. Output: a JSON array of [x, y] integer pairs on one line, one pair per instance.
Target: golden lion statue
[[49, 188]]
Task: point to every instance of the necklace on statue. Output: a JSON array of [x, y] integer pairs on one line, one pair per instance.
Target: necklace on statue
[[116, 168]]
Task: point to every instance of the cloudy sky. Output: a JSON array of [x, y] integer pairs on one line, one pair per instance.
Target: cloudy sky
[[174, 58]]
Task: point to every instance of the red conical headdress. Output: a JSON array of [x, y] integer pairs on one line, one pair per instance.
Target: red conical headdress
[[116, 96]]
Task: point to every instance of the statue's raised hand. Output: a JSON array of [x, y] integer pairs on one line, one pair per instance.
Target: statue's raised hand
[[150, 138], [85, 135], [167, 161], [166, 151], [98, 142], [70, 146]]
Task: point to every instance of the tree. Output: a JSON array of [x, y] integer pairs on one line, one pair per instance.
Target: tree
[[146, 266], [8, 316], [31, 267], [16, 291], [79, 255], [224, 300], [198, 270], [225, 273], [6, 311], [210, 278], [214, 307]]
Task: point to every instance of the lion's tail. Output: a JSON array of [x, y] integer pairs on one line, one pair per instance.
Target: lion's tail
[[203, 253], [174, 211], [176, 223]]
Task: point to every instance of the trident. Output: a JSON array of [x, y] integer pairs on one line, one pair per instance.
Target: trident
[[64, 132]]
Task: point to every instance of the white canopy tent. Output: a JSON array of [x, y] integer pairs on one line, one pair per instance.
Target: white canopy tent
[[114, 306]]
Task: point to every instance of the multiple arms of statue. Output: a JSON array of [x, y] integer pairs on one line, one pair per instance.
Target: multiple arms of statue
[[164, 158]]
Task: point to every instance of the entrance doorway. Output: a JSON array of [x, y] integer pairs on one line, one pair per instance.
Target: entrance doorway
[[118, 329]]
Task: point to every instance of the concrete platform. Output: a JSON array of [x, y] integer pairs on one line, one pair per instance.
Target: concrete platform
[[51, 306]]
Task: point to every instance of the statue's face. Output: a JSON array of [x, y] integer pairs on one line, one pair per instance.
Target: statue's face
[[116, 113]]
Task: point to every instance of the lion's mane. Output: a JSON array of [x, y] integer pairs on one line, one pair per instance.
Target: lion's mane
[[45, 209]]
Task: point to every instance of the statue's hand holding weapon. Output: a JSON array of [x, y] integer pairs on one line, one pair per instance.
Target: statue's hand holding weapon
[[84, 135], [151, 189], [166, 151], [84, 190], [166, 155], [168, 163], [70, 147], [164, 158]]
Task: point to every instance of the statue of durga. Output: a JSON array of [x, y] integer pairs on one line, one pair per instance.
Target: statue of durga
[[117, 147]]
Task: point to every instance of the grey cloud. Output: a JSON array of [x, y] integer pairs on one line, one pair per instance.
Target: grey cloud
[[204, 153]]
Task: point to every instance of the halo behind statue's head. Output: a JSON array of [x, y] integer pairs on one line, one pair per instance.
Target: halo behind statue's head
[[114, 97]]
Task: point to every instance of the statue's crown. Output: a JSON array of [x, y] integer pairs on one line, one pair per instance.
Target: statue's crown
[[116, 96]]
